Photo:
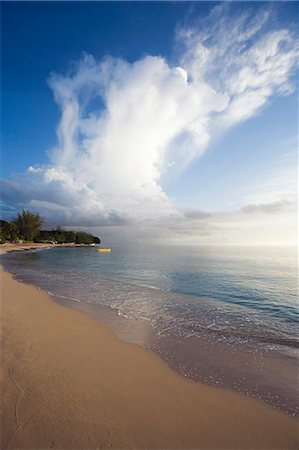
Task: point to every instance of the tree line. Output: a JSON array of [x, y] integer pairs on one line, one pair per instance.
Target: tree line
[[27, 225]]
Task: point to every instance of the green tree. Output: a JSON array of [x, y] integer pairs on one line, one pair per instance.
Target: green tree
[[70, 236], [96, 240], [44, 236], [59, 235], [84, 238], [27, 224], [8, 231]]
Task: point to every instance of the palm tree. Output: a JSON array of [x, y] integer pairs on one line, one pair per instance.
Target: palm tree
[[28, 224]]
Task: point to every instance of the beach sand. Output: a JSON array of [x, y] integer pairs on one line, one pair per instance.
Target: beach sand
[[69, 382]]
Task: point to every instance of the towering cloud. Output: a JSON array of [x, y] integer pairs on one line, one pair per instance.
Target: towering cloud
[[123, 125]]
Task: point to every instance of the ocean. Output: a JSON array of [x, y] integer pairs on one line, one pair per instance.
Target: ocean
[[226, 316]]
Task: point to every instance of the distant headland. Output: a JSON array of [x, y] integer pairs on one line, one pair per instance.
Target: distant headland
[[27, 227]]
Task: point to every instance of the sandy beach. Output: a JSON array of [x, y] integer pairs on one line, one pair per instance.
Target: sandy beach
[[69, 382]]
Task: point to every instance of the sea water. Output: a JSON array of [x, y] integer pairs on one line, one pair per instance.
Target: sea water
[[223, 315]]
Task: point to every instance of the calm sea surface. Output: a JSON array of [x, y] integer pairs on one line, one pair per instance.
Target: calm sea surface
[[238, 303]]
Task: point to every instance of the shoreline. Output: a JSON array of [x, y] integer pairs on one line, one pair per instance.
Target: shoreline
[[9, 247], [69, 382], [243, 370], [267, 375]]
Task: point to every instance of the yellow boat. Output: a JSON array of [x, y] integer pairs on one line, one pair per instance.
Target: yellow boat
[[104, 250]]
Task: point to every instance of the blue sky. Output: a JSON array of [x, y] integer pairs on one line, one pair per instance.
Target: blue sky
[[174, 120], [39, 38]]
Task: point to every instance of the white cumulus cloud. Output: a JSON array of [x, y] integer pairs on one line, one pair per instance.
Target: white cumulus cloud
[[124, 125]]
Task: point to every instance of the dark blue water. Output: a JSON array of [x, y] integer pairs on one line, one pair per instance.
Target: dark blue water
[[237, 293]]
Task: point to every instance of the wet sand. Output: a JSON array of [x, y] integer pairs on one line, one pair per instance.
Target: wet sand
[[69, 382], [268, 376]]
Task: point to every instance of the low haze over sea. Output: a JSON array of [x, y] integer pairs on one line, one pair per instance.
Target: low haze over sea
[[226, 316]]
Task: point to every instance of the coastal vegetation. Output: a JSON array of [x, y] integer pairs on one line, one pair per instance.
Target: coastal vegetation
[[26, 226], [61, 236]]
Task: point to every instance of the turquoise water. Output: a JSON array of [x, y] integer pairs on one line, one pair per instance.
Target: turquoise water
[[238, 293], [225, 316]]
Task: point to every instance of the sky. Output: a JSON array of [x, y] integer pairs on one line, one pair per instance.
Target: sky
[[174, 122]]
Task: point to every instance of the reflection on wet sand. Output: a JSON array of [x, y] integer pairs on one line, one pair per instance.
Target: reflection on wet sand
[[267, 375]]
